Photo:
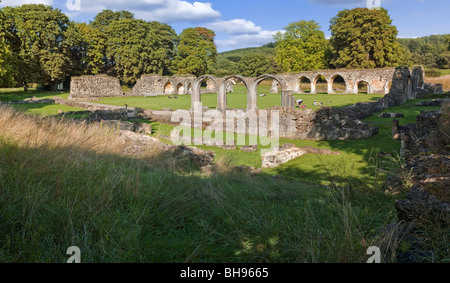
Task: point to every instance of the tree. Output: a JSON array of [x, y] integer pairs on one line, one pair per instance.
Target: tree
[[365, 38], [429, 51], [301, 47], [137, 47], [86, 48], [35, 34], [6, 77], [254, 65], [106, 17], [196, 52]]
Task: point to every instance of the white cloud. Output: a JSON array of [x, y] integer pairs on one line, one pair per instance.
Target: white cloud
[[235, 27], [156, 10], [246, 40], [5, 3]]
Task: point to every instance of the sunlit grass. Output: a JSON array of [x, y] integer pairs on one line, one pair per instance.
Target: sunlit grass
[[238, 100]]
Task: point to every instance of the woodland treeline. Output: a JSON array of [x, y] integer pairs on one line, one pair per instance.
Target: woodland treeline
[[40, 44]]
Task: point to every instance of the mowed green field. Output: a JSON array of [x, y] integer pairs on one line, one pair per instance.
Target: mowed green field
[[357, 163], [238, 100], [10, 94]]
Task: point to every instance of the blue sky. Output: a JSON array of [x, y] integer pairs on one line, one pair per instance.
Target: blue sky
[[252, 23]]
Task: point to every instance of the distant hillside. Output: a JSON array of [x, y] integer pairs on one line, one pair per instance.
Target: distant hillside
[[238, 54], [430, 51]]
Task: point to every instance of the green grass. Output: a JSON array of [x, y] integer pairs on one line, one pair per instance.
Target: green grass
[[238, 100], [45, 109], [122, 209], [9, 94], [445, 72], [357, 163]]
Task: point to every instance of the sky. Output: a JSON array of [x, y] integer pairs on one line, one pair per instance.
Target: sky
[[252, 23]]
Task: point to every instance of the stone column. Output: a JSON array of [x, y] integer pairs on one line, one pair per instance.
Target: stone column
[[313, 87], [222, 96], [252, 97], [196, 96], [274, 88], [348, 88], [287, 99], [330, 87]]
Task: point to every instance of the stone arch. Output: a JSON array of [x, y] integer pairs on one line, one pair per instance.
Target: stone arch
[[168, 88], [314, 82], [369, 86], [196, 89], [181, 89], [223, 87], [189, 88], [331, 89], [252, 92], [302, 80]]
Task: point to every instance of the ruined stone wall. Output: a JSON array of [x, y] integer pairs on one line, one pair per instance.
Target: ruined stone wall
[[377, 79], [160, 85], [95, 86], [345, 123]]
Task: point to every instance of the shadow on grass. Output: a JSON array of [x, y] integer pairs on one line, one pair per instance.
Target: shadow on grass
[[160, 209], [21, 95]]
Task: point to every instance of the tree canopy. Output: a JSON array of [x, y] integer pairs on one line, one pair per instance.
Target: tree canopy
[[254, 65], [365, 38], [39, 44], [35, 36], [430, 51], [301, 47], [137, 47], [196, 51]]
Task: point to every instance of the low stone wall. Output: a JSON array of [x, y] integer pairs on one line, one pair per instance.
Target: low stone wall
[[277, 158], [95, 86]]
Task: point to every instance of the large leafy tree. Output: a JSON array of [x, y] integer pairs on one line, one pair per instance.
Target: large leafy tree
[[6, 77], [35, 35], [137, 47], [254, 65], [86, 48], [365, 38], [103, 19], [196, 52], [301, 47]]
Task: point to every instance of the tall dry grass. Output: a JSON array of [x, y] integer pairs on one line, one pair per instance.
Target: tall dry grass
[[64, 184], [32, 132], [444, 80]]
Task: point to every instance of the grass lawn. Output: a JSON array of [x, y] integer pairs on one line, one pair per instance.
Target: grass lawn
[[45, 109], [62, 185], [358, 161], [238, 100], [9, 94]]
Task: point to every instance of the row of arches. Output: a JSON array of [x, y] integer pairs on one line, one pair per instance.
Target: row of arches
[[251, 85], [180, 89], [336, 84]]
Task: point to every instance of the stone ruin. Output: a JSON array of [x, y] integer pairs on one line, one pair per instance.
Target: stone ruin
[[345, 123], [426, 154], [94, 86], [326, 123]]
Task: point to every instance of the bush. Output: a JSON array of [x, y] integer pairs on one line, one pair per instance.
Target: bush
[[433, 73]]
